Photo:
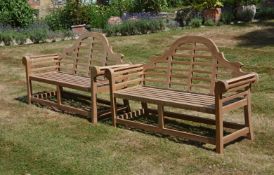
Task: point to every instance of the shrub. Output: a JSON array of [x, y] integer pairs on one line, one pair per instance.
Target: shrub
[[70, 15], [17, 13], [55, 20], [38, 32], [266, 13], [209, 22], [235, 3], [175, 3], [99, 15], [172, 24], [184, 16], [38, 36], [75, 13], [20, 37], [68, 33], [6, 37], [206, 4], [249, 2], [134, 27], [196, 22], [122, 6], [155, 6], [103, 2], [227, 17]]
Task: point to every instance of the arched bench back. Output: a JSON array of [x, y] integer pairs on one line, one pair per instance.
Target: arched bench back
[[192, 63]]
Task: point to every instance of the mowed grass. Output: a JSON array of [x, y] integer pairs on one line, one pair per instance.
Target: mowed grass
[[35, 140]]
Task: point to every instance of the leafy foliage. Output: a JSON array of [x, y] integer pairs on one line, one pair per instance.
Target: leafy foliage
[[6, 37], [55, 20], [235, 3], [122, 5], [175, 3], [94, 15], [17, 13], [75, 13], [149, 5], [185, 15], [249, 2], [266, 13], [99, 15], [227, 17], [207, 4], [209, 22], [20, 38], [196, 22]]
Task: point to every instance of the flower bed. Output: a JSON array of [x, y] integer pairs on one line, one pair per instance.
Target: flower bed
[[135, 27], [35, 33]]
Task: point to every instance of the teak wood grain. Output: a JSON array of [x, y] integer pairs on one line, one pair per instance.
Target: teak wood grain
[[190, 75], [72, 69]]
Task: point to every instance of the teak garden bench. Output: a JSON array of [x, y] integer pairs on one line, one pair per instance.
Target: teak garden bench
[[192, 75], [72, 69]]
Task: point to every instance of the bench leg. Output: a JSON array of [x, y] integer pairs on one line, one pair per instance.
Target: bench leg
[[247, 114], [29, 90], [94, 104], [219, 133], [59, 90], [113, 110], [219, 124], [161, 116]]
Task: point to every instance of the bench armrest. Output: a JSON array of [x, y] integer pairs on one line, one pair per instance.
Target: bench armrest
[[100, 70], [125, 76], [41, 63], [236, 84]]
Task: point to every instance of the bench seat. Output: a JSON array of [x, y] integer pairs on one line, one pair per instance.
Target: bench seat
[[67, 80], [178, 99], [172, 98]]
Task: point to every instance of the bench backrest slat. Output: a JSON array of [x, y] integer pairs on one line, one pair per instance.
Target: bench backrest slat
[[192, 64]]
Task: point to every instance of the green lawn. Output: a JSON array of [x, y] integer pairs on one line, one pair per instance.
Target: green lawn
[[35, 140]]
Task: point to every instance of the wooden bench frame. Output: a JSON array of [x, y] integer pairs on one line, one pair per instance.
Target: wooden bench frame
[[130, 83], [40, 67]]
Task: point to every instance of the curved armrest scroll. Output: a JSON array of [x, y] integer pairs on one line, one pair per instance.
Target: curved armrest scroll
[[236, 83]]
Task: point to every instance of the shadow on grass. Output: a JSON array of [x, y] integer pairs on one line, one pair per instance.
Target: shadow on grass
[[184, 126], [259, 38], [76, 103]]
